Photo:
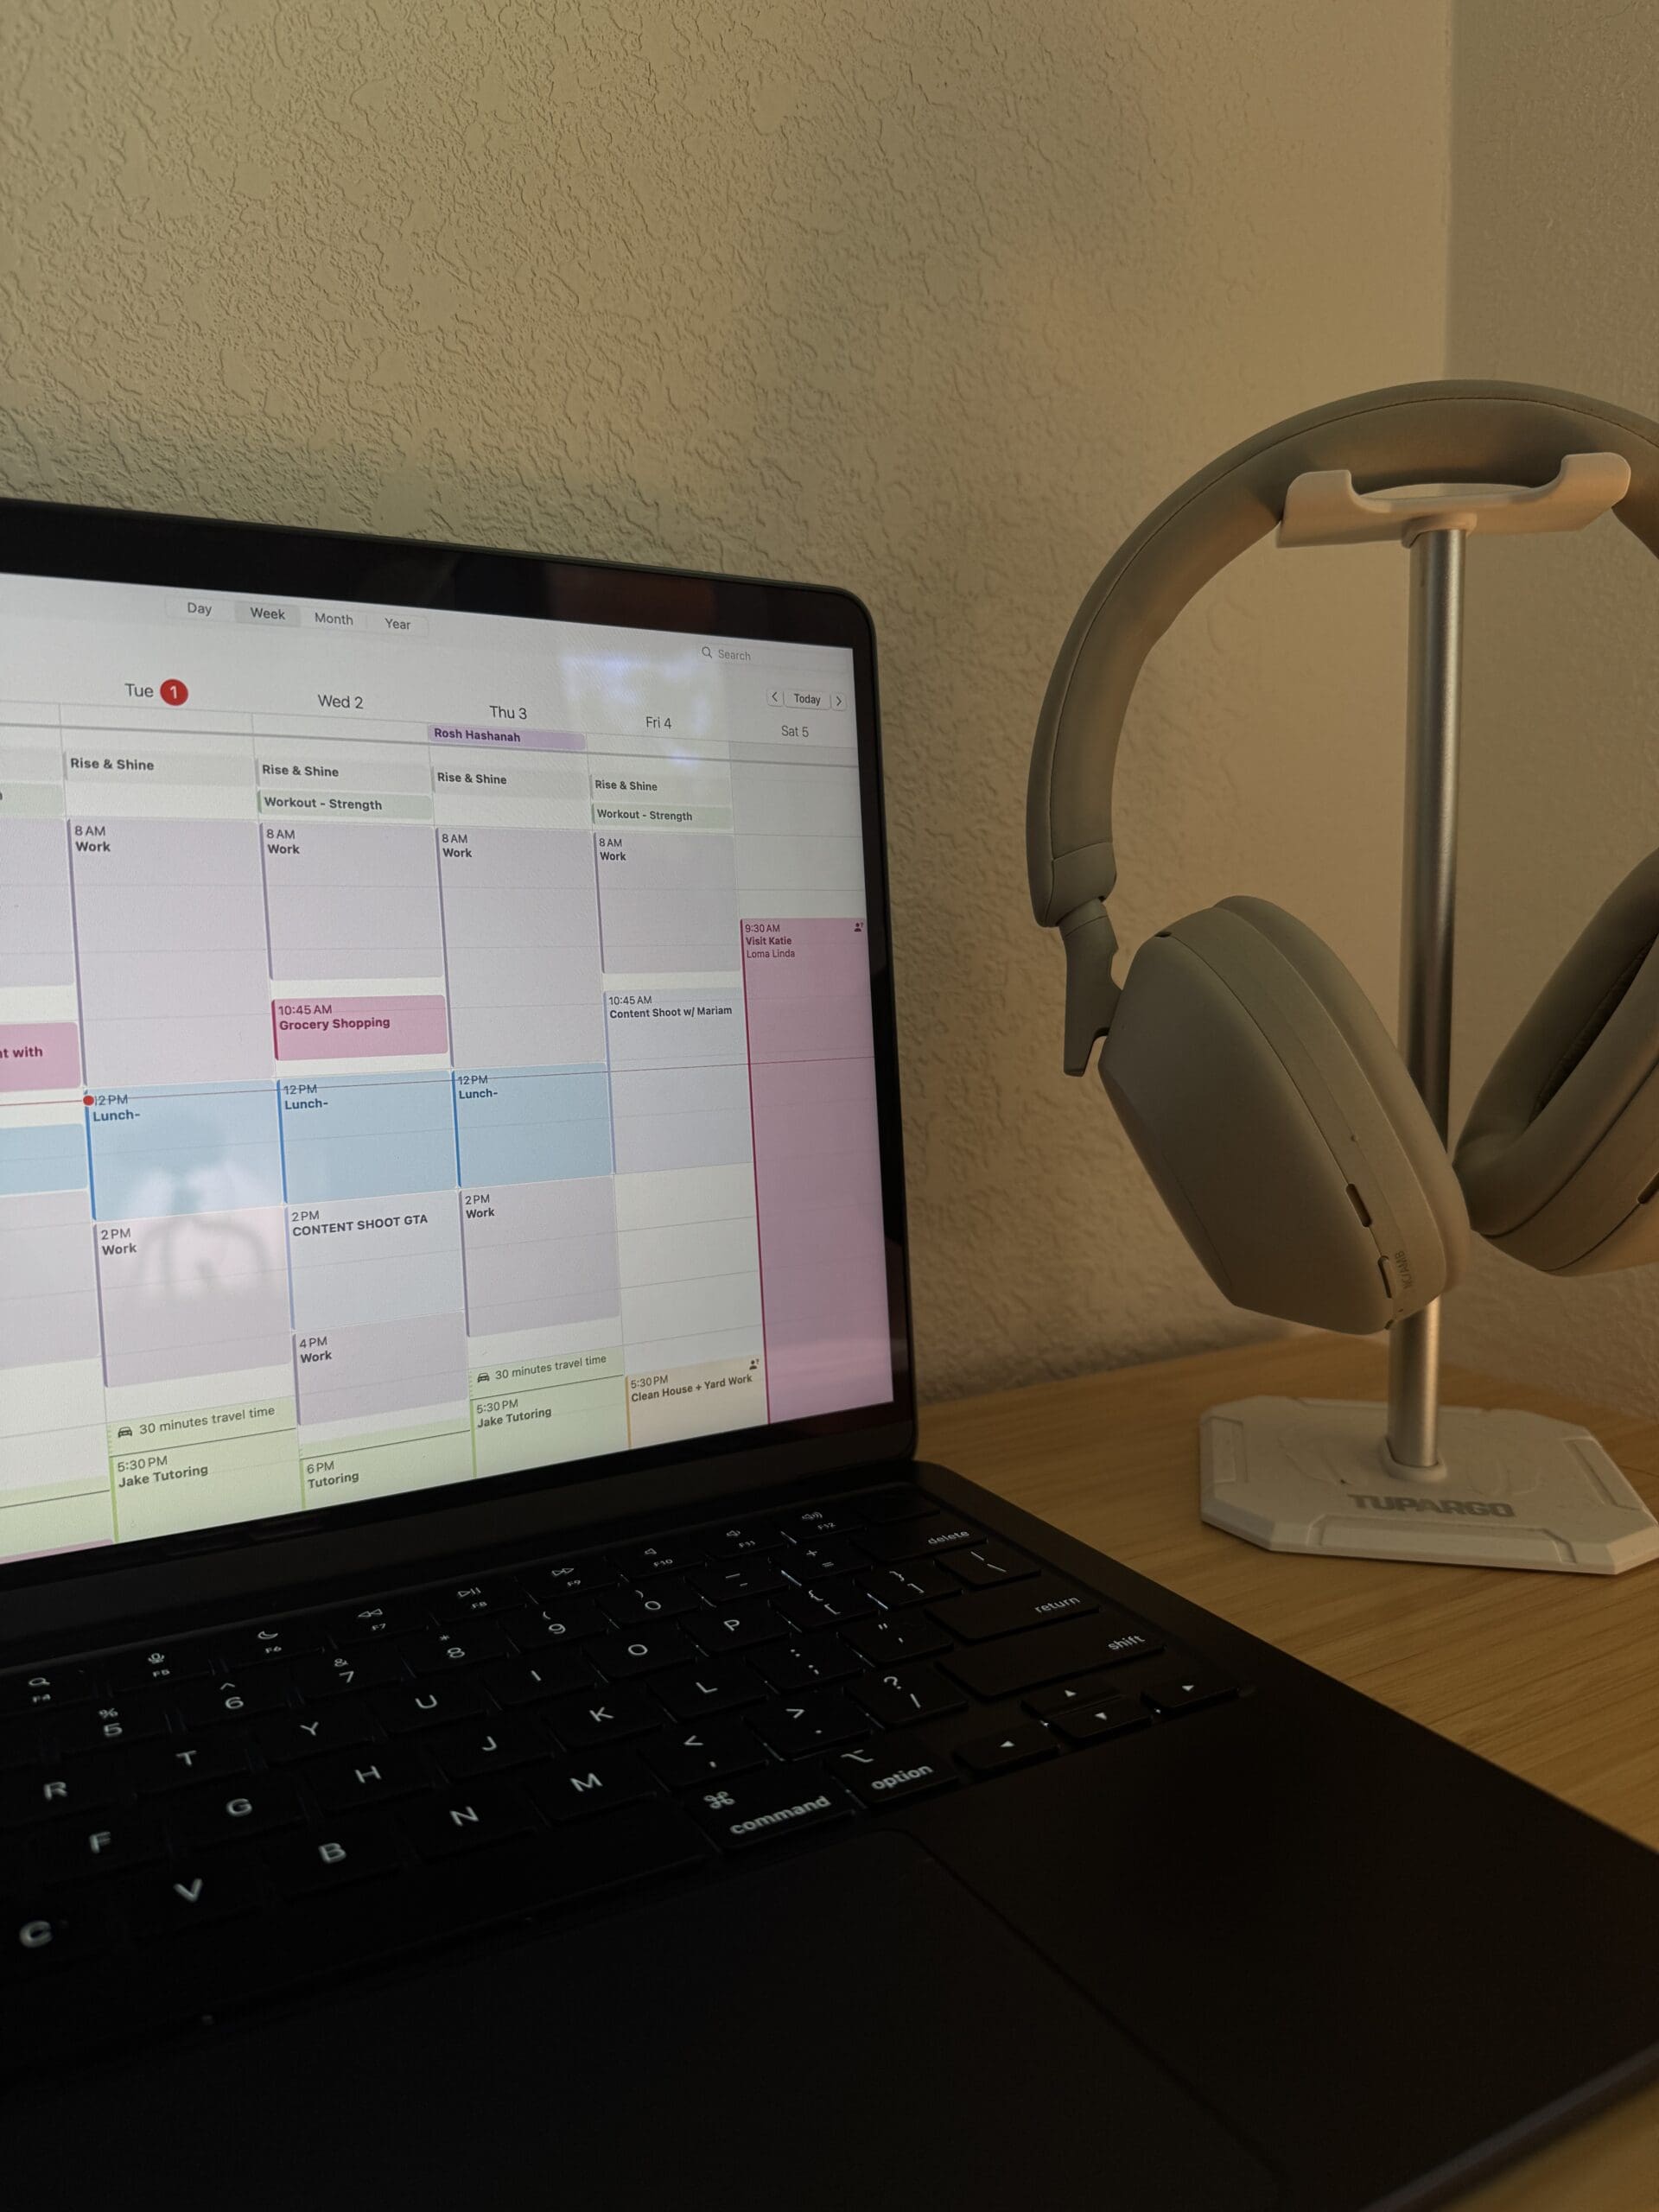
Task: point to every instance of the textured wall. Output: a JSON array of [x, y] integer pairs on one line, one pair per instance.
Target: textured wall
[[930, 300], [1555, 178]]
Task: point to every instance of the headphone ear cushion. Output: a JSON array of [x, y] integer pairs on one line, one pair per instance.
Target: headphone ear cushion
[[1273, 1114], [1560, 1153]]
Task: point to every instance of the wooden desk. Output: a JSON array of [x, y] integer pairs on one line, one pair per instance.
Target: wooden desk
[[1551, 1676]]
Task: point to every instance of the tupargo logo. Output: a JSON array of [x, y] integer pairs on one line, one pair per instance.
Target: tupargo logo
[[1494, 1509]]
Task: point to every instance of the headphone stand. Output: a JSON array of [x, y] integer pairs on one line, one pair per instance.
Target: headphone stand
[[1412, 1481]]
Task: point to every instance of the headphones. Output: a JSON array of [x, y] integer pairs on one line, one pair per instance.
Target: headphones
[[1265, 1098]]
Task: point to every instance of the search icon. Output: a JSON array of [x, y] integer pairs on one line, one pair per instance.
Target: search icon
[[708, 653]]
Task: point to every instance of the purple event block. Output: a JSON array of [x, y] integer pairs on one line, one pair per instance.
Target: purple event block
[[37, 940], [340, 1029], [522, 939], [174, 972], [347, 900], [541, 1255], [817, 1166], [529, 740], [382, 1367], [39, 1055], [200, 1293]]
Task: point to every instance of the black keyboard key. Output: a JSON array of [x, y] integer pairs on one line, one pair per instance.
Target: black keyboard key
[[157, 1665], [469, 1816], [807, 1661], [982, 1567], [190, 1893], [741, 1539], [667, 1555], [538, 1628], [25, 1742], [107, 1843], [643, 1651], [890, 1769], [46, 1690], [491, 1744], [764, 1807], [277, 1640], [55, 1787], [825, 1605], [285, 1737], [892, 1639], [575, 1788], [175, 1762], [374, 1774], [1184, 1692], [533, 1680], [750, 1578], [912, 1694], [371, 1621], [132, 1720], [662, 1599], [465, 1601], [717, 1685], [915, 1584], [333, 1856], [813, 1722], [815, 1559], [708, 1750], [818, 1522], [328, 1675], [1024, 1744], [736, 1628], [977, 1617], [905, 1504], [439, 1651], [606, 1716], [1025, 1662], [207, 1704], [429, 1704], [569, 1579], [1099, 1717], [1045, 1704], [931, 1532], [228, 1810], [37, 1933]]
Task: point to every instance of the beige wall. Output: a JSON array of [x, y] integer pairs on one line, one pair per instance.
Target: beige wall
[[930, 300], [1554, 279]]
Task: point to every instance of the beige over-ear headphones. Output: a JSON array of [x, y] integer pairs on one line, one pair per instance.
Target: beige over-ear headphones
[[1264, 1097]]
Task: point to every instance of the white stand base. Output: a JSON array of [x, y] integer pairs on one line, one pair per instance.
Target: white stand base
[[1514, 1489]]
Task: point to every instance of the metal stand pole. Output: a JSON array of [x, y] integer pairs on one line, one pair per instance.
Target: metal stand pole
[[1429, 892]]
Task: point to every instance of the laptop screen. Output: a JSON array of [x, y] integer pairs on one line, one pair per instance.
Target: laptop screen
[[433, 1046]]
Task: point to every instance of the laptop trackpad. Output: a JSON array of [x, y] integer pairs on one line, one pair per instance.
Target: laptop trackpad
[[853, 2028]]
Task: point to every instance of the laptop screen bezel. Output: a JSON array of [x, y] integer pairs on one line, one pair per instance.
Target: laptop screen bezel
[[123, 546]]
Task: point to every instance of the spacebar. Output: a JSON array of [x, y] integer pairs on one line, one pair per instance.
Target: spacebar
[[105, 2002], [1041, 1655]]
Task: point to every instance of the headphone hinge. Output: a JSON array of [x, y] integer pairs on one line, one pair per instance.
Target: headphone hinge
[[1091, 993]]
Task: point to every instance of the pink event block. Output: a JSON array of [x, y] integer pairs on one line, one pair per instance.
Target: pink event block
[[39, 1055], [355, 1029]]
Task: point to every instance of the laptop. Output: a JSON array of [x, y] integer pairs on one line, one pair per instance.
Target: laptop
[[492, 1709]]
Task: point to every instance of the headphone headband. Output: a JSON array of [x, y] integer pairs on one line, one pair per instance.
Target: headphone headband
[[1450, 432]]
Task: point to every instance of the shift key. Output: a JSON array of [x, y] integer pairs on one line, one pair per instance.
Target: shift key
[[1022, 1605], [1047, 1654]]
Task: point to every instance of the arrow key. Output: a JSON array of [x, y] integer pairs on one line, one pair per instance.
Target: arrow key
[[1185, 1692], [1021, 1746]]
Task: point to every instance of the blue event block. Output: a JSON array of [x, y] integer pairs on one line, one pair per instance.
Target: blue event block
[[46, 1157], [194, 1149], [533, 1125], [368, 1136]]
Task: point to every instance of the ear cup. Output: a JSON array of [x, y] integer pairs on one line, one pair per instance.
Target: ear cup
[[1270, 1107], [1559, 1154]]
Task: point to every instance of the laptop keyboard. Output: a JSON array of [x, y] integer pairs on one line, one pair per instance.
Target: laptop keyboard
[[441, 1759]]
